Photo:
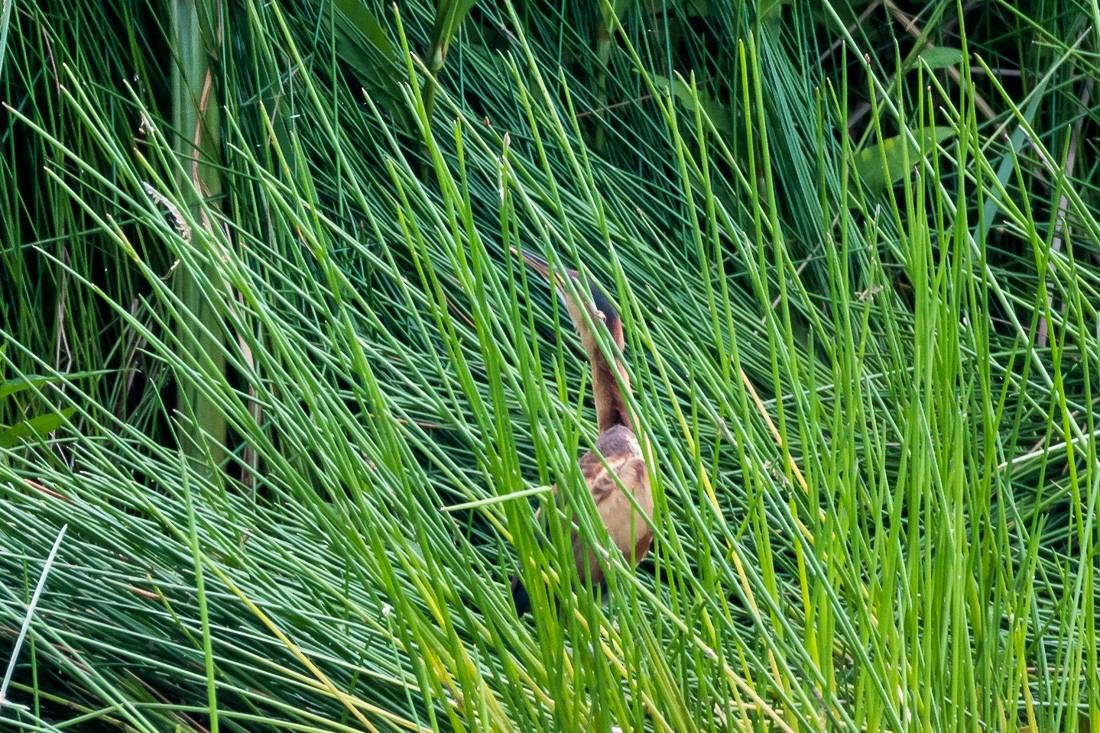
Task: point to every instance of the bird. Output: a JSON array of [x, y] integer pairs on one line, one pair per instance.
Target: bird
[[616, 462]]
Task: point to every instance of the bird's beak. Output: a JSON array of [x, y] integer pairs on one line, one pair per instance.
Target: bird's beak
[[542, 267], [537, 264]]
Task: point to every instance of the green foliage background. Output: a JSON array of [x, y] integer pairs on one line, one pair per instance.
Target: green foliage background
[[282, 402]]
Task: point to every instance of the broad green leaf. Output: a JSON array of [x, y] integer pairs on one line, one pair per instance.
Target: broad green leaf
[[15, 386], [610, 11], [941, 58], [877, 176], [716, 112], [770, 8], [5, 19], [697, 8], [362, 43], [449, 15], [41, 425], [848, 13], [363, 20]]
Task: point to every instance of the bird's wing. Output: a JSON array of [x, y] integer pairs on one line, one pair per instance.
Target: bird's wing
[[621, 463], [627, 527]]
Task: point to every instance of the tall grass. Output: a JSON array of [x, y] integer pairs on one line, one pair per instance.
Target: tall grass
[[861, 346]]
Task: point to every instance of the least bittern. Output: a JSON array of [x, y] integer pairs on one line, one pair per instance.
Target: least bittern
[[616, 463]]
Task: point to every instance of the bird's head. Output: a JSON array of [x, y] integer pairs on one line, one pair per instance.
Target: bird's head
[[599, 307]]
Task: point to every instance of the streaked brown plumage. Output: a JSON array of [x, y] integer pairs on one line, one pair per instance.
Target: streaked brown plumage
[[617, 443]]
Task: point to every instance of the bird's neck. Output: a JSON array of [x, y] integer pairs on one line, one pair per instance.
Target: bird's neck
[[608, 395], [606, 391]]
